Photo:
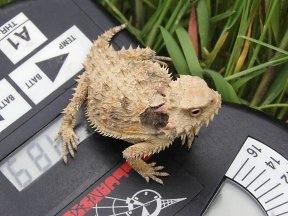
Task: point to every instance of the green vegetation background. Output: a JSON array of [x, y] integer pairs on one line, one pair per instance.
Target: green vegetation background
[[238, 46]]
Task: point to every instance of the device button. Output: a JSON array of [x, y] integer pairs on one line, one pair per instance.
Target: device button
[[19, 37], [12, 105], [52, 66]]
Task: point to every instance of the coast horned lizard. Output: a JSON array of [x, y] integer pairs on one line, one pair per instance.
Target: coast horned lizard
[[129, 95]]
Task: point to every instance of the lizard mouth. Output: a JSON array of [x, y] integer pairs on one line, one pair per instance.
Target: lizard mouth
[[188, 136]]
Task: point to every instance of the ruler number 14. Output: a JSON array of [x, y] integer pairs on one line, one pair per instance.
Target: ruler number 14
[[254, 151], [272, 163]]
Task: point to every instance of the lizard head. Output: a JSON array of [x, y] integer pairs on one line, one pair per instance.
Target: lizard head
[[191, 104]]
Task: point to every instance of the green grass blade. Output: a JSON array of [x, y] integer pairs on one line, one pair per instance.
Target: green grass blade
[[277, 85], [263, 33], [238, 8], [271, 106], [223, 87], [189, 52], [203, 22], [219, 44], [149, 25], [276, 22], [175, 52], [123, 19], [155, 29], [173, 21], [257, 68], [243, 80], [149, 3], [173, 17], [222, 16], [264, 44]]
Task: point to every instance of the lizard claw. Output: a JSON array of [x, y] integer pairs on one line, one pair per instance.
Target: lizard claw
[[154, 172], [69, 142]]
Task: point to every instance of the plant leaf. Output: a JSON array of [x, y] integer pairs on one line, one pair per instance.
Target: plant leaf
[[175, 52], [223, 87], [258, 67], [238, 8], [189, 52], [272, 106], [193, 30], [203, 22], [277, 86], [264, 44], [243, 80], [222, 16]]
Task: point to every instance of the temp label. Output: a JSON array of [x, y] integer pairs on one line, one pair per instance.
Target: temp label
[[264, 173], [19, 37], [52, 66], [12, 105]]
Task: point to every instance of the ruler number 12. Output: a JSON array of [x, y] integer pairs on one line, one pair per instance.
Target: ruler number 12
[[285, 177]]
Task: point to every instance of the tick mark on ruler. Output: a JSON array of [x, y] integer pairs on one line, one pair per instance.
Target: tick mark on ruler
[[248, 173], [277, 207], [241, 168], [255, 178], [282, 213], [262, 184], [274, 198], [269, 190]]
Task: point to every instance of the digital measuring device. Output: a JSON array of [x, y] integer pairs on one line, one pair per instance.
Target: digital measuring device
[[237, 166]]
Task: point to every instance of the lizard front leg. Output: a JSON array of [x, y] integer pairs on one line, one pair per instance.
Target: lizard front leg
[[66, 132], [134, 155]]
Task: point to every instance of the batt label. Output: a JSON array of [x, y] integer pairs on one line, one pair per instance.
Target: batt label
[[19, 37], [12, 105], [52, 66]]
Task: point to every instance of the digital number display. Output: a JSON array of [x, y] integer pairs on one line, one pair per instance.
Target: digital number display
[[39, 154]]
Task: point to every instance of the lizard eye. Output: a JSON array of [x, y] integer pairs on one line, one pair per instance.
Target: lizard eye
[[195, 112]]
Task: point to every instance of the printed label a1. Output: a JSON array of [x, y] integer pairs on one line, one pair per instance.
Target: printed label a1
[[12, 105], [19, 37], [53, 65]]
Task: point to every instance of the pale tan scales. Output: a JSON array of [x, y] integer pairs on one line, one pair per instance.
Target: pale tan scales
[[130, 96]]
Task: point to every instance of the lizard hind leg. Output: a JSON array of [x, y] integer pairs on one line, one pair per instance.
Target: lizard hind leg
[[134, 155]]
